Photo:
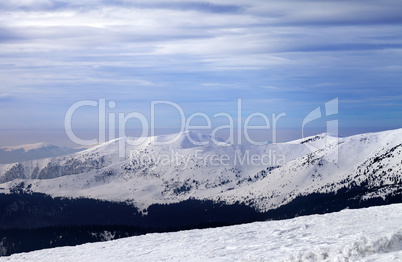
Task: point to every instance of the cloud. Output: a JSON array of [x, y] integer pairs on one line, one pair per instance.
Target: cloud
[[194, 51], [8, 35], [190, 5], [270, 87], [60, 5], [6, 98], [329, 13]]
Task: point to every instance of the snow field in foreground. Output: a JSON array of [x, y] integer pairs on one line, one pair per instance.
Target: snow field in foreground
[[370, 234]]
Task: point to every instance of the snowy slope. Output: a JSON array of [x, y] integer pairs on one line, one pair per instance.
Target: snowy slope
[[371, 234], [264, 177]]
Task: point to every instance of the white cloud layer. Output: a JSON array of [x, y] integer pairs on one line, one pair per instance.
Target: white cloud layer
[[67, 50]]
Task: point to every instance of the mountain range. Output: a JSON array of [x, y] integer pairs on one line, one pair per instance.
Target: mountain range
[[197, 166], [129, 187]]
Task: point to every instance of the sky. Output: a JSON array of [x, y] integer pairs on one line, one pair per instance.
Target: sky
[[203, 56]]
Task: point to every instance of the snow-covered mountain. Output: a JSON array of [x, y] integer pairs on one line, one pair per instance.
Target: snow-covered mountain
[[199, 167], [348, 235], [21, 153]]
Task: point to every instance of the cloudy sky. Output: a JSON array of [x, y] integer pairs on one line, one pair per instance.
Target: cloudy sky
[[276, 56]]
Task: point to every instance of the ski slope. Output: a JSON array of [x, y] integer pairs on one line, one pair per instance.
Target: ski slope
[[370, 234]]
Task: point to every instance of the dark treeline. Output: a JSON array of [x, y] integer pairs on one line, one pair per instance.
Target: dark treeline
[[31, 221]]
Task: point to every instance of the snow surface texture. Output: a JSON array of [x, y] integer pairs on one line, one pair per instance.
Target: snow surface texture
[[319, 163], [370, 234]]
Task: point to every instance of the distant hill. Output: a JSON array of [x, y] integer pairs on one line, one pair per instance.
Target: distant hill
[[22, 153]]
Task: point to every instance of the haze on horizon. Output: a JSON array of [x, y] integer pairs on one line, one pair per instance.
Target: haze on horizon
[[276, 56]]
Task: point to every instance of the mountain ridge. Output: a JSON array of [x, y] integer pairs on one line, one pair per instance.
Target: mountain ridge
[[157, 174]]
